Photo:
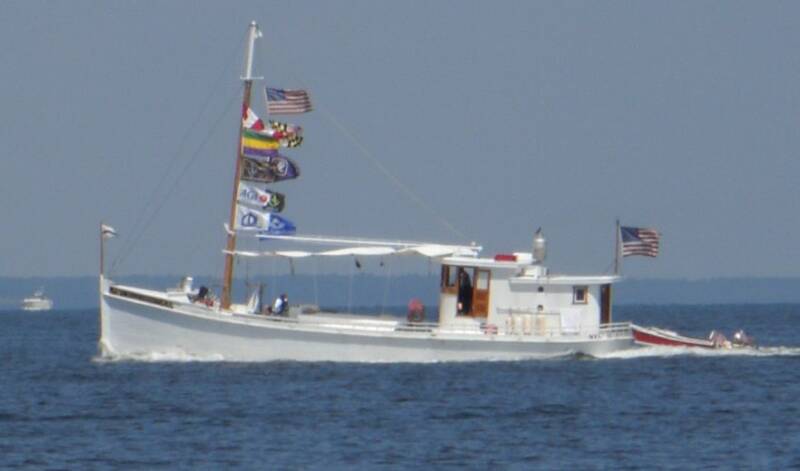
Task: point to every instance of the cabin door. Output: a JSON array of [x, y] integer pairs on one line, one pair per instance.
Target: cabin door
[[605, 304], [480, 293]]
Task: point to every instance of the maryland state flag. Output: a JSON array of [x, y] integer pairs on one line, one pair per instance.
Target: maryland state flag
[[290, 135]]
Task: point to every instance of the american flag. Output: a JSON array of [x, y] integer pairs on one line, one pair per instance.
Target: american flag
[[639, 241], [287, 101]]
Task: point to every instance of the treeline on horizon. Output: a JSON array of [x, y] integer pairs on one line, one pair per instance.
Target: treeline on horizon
[[376, 291]]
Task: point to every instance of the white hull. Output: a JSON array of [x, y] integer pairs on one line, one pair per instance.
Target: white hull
[[37, 305], [131, 327]]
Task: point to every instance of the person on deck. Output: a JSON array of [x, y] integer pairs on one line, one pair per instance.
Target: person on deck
[[281, 304], [464, 292]]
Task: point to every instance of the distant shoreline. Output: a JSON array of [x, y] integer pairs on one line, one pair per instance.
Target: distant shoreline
[[375, 290]]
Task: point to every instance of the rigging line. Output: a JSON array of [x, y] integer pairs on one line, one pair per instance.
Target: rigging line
[[273, 292], [386, 173], [374, 161], [180, 176], [350, 289], [388, 276], [316, 288], [181, 146]]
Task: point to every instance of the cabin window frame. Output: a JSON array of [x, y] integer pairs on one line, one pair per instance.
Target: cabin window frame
[[449, 279], [578, 289]]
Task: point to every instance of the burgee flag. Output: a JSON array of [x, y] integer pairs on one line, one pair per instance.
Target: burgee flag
[[251, 121]]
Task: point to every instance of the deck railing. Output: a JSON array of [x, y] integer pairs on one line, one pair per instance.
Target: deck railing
[[615, 330]]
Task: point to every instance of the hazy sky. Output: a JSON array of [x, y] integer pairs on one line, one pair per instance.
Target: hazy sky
[[500, 116]]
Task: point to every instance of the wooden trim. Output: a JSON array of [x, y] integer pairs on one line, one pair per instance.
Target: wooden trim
[[605, 304], [480, 307], [123, 293]]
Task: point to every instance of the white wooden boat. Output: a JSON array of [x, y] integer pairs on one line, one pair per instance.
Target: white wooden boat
[[505, 307]]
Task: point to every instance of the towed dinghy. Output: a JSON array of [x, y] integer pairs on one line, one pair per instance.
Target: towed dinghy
[[655, 336]]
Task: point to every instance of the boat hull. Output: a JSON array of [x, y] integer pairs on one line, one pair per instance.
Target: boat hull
[[132, 328]]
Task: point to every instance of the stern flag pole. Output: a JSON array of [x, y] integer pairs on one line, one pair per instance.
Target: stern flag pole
[[106, 232], [102, 249]]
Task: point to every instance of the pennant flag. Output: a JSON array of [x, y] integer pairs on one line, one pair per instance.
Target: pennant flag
[[251, 121], [256, 143], [639, 241], [267, 200], [269, 169], [107, 231], [267, 223], [281, 101]]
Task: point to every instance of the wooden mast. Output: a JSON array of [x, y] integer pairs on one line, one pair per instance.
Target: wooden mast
[[230, 247]]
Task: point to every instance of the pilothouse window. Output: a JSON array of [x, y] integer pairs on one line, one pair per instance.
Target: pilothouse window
[[580, 294], [449, 275]]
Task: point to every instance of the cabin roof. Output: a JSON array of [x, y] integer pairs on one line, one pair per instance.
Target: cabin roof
[[529, 273], [565, 280]]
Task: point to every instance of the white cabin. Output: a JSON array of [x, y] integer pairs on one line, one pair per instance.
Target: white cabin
[[516, 294]]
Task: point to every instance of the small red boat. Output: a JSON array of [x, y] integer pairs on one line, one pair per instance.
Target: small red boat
[[655, 336]]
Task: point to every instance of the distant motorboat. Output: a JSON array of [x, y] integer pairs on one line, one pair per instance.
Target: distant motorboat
[[37, 302]]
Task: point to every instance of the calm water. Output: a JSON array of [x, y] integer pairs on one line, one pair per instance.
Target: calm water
[[62, 408]]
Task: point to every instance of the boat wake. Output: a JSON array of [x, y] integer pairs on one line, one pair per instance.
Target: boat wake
[[155, 357], [668, 351]]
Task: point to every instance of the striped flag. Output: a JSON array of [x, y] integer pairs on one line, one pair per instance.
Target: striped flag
[[255, 143], [281, 101], [639, 241]]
